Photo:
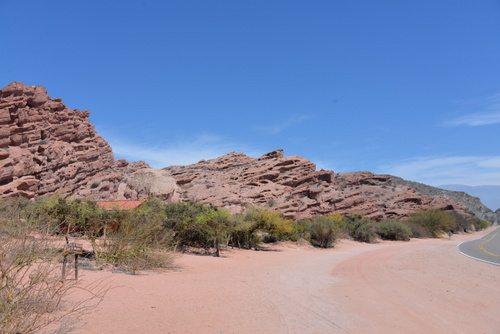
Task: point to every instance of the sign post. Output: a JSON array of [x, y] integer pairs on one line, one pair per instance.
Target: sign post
[[71, 248]]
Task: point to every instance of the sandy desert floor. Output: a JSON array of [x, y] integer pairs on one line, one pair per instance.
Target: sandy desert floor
[[421, 286]]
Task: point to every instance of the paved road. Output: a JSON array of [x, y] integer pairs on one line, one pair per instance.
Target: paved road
[[486, 249]]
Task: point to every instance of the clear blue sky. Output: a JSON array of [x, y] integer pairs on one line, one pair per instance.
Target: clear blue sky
[[409, 88]]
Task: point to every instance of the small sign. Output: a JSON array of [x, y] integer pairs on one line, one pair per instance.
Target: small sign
[[74, 248]]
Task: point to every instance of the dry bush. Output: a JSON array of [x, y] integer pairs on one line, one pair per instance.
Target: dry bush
[[134, 246], [33, 297]]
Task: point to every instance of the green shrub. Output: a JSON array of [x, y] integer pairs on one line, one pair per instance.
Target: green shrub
[[243, 235], [482, 225], [418, 231], [272, 223], [324, 231], [434, 220], [393, 230], [365, 232], [181, 222], [360, 228]]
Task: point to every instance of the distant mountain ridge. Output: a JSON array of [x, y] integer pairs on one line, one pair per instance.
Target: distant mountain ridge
[[473, 204], [489, 195]]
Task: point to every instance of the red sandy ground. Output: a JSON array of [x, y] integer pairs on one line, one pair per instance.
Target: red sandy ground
[[421, 286]]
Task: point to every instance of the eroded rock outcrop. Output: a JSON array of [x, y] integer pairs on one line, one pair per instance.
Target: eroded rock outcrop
[[47, 148], [293, 186]]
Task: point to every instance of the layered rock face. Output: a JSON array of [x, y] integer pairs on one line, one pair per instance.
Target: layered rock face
[[47, 148], [293, 186]]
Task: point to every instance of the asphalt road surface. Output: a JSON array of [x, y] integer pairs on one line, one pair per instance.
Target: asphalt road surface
[[486, 249]]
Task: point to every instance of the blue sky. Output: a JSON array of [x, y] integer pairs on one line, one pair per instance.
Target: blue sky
[[409, 88]]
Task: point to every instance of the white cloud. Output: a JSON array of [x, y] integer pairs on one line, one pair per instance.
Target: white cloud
[[493, 162], [477, 119], [435, 171], [178, 153], [487, 112], [284, 124]]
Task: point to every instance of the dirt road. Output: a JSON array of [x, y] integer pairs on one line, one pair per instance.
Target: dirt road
[[391, 287]]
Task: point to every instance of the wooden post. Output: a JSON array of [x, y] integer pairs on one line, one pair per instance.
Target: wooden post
[[76, 267], [64, 268], [71, 248]]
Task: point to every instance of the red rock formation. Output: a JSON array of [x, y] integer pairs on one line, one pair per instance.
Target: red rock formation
[[47, 148], [293, 186]]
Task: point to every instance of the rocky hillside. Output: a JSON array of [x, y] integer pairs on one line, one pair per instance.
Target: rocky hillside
[[46, 148], [293, 186], [472, 203]]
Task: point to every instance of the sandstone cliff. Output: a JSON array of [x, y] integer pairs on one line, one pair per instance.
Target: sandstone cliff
[[293, 186], [47, 148]]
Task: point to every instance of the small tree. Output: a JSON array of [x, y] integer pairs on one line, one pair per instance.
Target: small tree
[[180, 222], [219, 221]]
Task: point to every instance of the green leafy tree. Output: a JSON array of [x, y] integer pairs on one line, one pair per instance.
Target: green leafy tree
[[180, 220], [219, 221]]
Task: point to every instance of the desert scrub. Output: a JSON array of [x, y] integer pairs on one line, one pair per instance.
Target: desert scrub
[[393, 230], [365, 232], [324, 231], [361, 229], [435, 221], [418, 231], [32, 296], [466, 223], [482, 225]]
